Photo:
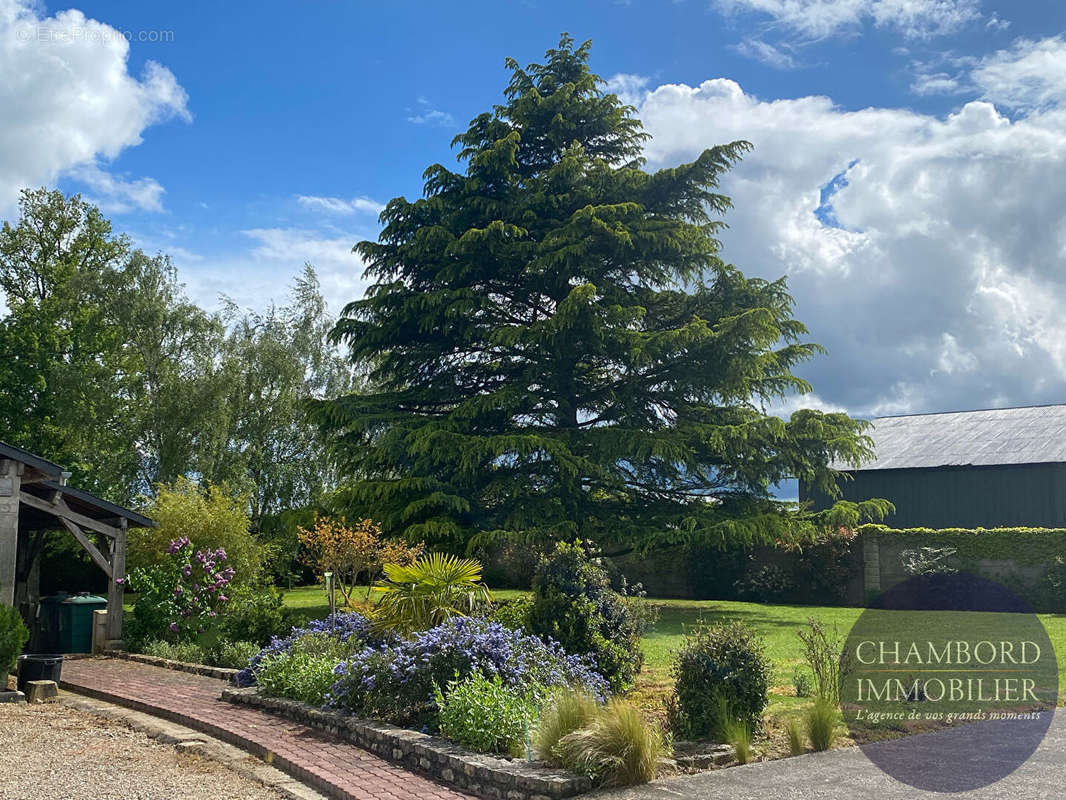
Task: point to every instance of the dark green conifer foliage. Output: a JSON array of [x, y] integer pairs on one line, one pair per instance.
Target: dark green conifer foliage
[[557, 349]]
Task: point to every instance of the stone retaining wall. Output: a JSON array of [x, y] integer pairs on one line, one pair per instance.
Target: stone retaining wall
[[483, 775], [222, 673]]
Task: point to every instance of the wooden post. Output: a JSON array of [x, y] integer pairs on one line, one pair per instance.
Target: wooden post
[[10, 480], [114, 588]]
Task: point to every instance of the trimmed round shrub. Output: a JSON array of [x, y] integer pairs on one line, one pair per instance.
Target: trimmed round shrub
[[721, 675], [573, 603], [13, 637], [398, 682]]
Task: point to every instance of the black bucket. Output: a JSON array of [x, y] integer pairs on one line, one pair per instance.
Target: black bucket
[[39, 667]]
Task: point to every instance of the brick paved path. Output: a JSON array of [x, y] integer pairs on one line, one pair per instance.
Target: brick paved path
[[336, 768]]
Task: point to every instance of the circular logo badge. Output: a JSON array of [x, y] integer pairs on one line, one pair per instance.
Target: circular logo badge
[[948, 682]]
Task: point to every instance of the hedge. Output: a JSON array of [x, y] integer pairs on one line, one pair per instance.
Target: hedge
[[1028, 546], [1023, 547]]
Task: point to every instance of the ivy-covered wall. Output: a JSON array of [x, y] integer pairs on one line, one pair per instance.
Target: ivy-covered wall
[[1025, 560]]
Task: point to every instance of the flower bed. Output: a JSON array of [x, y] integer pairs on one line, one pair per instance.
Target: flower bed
[[483, 775]]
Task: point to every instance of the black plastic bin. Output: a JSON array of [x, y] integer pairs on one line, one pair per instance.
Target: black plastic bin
[[39, 667]]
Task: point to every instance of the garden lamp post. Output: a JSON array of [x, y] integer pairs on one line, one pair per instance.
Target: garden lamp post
[[331, 593]]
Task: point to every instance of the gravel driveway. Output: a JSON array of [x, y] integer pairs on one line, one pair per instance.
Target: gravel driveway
[[51, 752]]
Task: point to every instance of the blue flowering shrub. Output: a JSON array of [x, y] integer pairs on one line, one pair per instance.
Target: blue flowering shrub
[[399, 681], [352, 630]]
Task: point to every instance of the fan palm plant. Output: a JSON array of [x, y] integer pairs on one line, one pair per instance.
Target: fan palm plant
[[423, 594]]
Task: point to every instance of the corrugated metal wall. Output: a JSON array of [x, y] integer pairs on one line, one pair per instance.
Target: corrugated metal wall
[[964, 497]]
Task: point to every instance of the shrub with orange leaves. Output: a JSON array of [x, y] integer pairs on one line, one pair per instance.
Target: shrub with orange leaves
[[352, 552]]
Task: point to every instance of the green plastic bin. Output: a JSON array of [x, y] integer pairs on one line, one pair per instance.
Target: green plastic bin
[[76, 622], [46, 635]]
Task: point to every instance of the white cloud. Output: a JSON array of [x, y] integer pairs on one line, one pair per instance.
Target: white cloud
[[943, 285], [115, 195], [426, 114], [276, 255], [766, 53], [1030, 74], [818, 19], [337, 205], [69, 102]]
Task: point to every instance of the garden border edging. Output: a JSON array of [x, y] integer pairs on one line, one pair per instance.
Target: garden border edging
[[222, 673], [484, 775]]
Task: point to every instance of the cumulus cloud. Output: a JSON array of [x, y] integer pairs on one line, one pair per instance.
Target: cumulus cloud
[[338, 205], [1030, 74], [818, 19], [69, 103], [927, 253]]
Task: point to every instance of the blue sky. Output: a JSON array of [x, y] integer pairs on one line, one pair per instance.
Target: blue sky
[[905, 176]]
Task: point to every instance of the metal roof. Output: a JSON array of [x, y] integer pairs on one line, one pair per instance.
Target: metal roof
[[1029, 435]]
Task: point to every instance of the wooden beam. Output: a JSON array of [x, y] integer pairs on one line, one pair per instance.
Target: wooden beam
[[115, 589], [87, 543], [10, 479], [63, 511]]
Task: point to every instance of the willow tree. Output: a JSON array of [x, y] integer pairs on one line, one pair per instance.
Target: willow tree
[[558, 350]]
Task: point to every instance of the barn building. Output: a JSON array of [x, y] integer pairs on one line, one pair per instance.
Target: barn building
[[966, 469]]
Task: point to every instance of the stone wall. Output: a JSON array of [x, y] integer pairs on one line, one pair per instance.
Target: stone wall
[[491, 777]]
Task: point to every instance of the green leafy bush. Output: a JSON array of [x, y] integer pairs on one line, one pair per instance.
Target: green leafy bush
[[573, 603], [233, 655], [567, 710], [618, 747], [304, 671], [210, 518], [253, 614], [765, 583], [720, 672], [821, 724], [223, 653], [13, 637], [188, 652], [488, 716], [802, 683], [513, 614]]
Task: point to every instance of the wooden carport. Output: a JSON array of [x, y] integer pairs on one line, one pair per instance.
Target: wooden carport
[[35, 498]]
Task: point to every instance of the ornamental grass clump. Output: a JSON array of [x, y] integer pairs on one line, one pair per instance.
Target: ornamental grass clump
[[398, 681], [821, 724], [617, 748], [567, 710], [797, 738]]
